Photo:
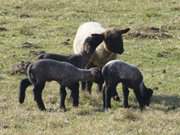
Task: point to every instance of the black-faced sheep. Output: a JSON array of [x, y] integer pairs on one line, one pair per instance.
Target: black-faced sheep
[[112, 43], [117, 71], [66, 74]]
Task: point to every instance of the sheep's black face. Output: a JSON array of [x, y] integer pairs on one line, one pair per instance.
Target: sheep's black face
[[147, 96], [92, 42], [114, 41]]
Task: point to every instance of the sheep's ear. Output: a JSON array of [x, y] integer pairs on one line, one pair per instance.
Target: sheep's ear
[[97, 38], [123, 31]]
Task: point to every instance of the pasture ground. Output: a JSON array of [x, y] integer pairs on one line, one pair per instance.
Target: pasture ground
[[27, 27]]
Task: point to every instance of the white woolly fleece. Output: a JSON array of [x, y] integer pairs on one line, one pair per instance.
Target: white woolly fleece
[[85, 30]]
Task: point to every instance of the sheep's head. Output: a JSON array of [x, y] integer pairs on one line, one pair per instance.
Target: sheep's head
[[91, 43], [113, 39], [147, 96]]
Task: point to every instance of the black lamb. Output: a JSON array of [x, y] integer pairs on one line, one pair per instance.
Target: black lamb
[[66, 74], [117, 71]]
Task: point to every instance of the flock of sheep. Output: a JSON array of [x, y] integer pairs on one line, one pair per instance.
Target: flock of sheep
[[95, 50]]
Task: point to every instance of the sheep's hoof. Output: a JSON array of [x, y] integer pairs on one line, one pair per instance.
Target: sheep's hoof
[[43, 109], [106, 110], [142, 108], [63, 108], [75, 106], [126, 106], [116, 98]]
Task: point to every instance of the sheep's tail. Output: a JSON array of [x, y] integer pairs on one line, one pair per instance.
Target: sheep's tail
[[31, 75], [22, 89], [25, 83]]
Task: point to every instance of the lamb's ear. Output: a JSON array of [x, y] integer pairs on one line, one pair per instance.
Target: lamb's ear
[[97, 38], [123, 31]]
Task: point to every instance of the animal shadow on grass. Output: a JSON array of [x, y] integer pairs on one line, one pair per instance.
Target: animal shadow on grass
[[170, 102]]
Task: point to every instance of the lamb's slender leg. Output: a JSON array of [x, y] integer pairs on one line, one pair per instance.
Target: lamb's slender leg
[[38, 88], [125, 96], [106, 96], [99, 87], [22, 89], [100, 84], [83, 85], [89, 86], [139, 98], [75, 93], [114, 92], [63, 97]]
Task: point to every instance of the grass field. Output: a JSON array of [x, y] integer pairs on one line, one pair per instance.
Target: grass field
[[51, 26]]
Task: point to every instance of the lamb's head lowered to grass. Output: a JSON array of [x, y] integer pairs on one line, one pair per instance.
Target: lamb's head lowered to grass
[[117, 71]]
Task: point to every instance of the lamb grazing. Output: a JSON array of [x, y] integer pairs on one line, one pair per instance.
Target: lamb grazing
[[66, 74], [111, 43], [117, 71]]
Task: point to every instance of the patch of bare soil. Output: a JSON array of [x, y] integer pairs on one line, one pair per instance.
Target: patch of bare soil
[[163, 54], [29, 45], [67, 42], [149, 33], [36, 53], [3, 29], [177, 8], [20, 67], [24, 16]]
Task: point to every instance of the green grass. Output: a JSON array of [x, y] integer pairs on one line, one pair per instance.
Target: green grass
[[48, 24]]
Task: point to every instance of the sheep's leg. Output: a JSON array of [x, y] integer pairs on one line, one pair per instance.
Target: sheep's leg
[[114, 92], [89, 86], [99, 87], [139, 98], [63, 97], [38, 88], [106, 97], [83, 85], [75, 94], [22, 89], [86, 86], [125, 96]]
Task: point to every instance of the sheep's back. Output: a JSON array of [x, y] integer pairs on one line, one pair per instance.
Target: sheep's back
[[48, 70], [122, 70]]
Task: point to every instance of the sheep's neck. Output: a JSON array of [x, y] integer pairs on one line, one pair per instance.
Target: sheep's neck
[[85, 75], [86, 58]]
